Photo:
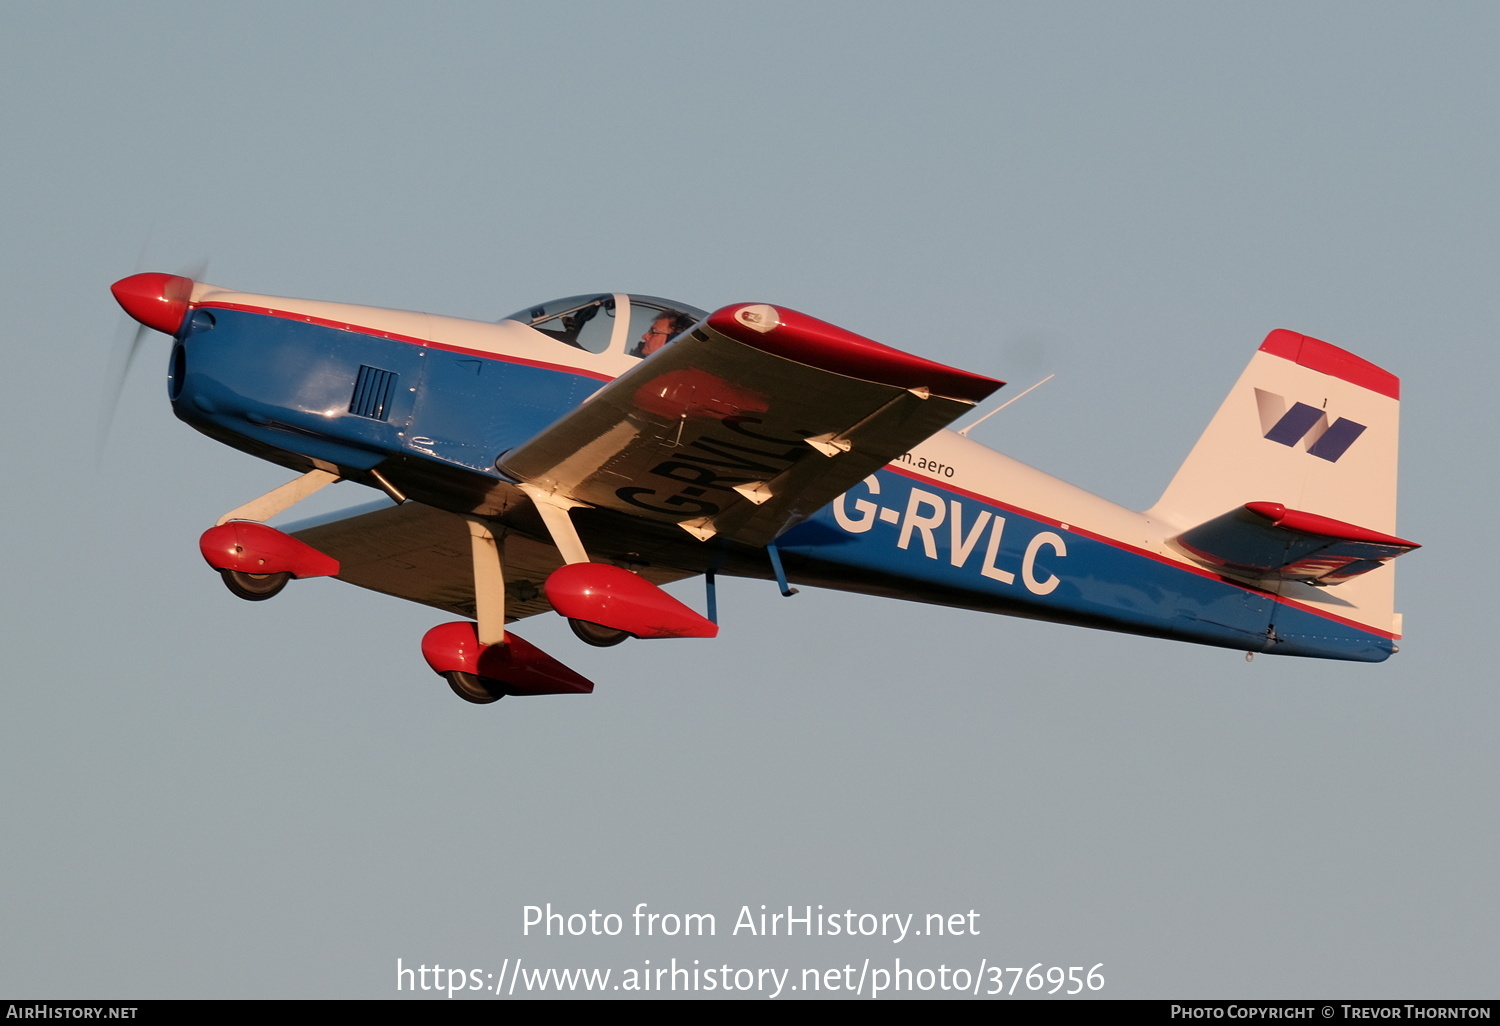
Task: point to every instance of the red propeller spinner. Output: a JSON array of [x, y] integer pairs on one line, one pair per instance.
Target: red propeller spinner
[[158, 301]]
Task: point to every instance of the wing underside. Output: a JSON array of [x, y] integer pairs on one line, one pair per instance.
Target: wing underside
[[423, 554]]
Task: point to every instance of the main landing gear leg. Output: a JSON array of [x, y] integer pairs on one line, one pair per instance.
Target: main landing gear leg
[[257, 561], [605, 604], [488, 554], [559, 522], [481, 661], [278, 500]]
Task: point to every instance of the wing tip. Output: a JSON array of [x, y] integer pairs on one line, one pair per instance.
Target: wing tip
[[808, 340]]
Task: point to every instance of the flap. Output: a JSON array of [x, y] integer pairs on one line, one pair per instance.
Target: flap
[[1266, 540], [745, 425]]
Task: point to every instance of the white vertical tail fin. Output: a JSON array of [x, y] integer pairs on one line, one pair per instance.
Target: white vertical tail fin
[[1312, 428]]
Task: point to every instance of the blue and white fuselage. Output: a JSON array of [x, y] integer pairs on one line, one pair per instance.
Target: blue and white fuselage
[[428, 404]]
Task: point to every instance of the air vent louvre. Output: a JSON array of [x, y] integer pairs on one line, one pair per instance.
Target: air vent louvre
[[372, 393]]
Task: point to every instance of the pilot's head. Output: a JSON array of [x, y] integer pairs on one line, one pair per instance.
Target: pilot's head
[[668, 325]]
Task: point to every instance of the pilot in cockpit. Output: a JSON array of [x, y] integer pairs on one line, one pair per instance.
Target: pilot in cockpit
[[668, 325]]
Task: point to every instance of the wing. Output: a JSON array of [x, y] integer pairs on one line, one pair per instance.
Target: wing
[[747, 424], [423, 554]]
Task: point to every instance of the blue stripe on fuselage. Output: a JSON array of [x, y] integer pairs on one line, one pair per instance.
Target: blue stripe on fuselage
[[938, 545]]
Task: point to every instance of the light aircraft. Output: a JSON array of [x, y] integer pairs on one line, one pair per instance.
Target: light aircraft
[[579, 454]]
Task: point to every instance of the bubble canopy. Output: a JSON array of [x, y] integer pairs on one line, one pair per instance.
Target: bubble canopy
[[602, 322]]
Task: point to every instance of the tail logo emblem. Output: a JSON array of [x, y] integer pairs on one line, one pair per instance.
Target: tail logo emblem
[[1328, 441]]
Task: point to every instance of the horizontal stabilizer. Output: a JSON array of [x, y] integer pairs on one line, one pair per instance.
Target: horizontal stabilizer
[[1265, 540]]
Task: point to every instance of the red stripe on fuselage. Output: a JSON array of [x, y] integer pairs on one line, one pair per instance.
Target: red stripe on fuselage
[[410, 339], [1154, 556]]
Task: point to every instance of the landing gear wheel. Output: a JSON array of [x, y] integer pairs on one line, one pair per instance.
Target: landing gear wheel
[[597, 634], [473, 688], [254, 587]]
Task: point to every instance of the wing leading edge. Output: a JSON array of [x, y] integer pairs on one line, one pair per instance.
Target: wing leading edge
[[747, 424]]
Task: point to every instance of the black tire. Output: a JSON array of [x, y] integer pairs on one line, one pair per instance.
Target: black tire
[[474, 688], [254, 587], [597, 634]]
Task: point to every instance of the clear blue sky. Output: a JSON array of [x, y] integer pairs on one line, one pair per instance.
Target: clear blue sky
[[205, 797]]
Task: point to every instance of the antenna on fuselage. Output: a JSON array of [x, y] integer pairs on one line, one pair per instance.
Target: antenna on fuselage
[[965, 430]]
